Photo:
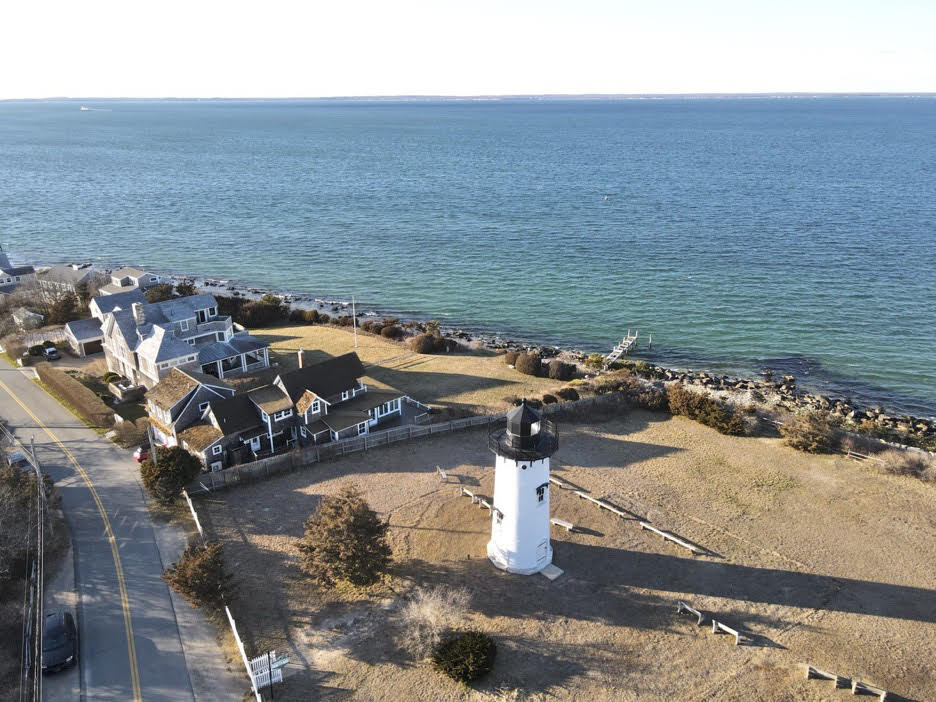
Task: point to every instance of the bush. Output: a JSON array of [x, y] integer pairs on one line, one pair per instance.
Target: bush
[[430, 615], [595, 360], [324, 318], [160, 293], [296, 315], [559, 370], [549, 399], [87, 404], [311, 316], [568, 394], [465, 656], [534, 403], [110, 377], [36, 350], [173, 469], [529, 364], [703, 409], [184, 289], [199, 575], [345, 541], [66, 308], [427, 343], [510, 358], [642, 393], [47, 344], [811, 432], [392, 331], [900, 462]]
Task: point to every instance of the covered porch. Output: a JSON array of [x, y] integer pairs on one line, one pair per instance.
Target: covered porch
[[237, 364]]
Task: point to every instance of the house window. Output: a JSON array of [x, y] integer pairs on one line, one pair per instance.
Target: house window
[[362, 428], [255, 443], [153, 279], [264, 415], [183, 325], [282, 415], [302, 431], [345, 395], [541, 493], [316, 407], [203, 406], [216, 450]]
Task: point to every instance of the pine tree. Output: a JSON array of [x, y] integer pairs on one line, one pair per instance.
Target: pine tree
[[345, 540], [173, 469]]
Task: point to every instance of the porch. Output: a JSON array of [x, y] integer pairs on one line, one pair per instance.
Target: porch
[[238, 364]]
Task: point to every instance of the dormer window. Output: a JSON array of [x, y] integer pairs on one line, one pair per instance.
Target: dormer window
[[345, 395], [316, 407], [183, 325]]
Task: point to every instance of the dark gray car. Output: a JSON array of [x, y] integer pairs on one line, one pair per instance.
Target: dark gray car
[[59, 642]]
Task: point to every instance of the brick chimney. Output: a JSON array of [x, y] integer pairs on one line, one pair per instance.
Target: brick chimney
[[300, 356], [139, 316]]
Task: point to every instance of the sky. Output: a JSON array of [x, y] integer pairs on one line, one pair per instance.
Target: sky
[[279, 48]]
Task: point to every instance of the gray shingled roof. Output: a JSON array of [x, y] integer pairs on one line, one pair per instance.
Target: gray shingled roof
[[178, 308], [235, 414], [324, 379], [123, 300], [17, 270], [219, 350], [66, 274], [85, 329]]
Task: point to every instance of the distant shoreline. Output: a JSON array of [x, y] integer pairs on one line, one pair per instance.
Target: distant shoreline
[[554, 97]]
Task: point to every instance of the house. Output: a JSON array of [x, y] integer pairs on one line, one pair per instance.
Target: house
[[102, 304], [333, 403], [27, 319], [179, 400], [12, 277], [314, 404], [124, 279], [146, 341], [61, 279]]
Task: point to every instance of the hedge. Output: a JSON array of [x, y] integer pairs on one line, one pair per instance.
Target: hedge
[[83, 399]]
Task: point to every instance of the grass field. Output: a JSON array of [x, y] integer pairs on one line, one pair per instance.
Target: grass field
[[473, 381], [822, 559]]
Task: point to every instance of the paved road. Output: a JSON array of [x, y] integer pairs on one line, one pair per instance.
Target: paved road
[[129, 624]]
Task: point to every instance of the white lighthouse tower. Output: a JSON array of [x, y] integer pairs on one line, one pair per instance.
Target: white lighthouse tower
[[520, 515]]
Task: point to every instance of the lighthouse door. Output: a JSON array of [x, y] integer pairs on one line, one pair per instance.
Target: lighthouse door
[[542, 551]]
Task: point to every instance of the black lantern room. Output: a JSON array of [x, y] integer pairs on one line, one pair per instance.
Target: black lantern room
[[527, 437]]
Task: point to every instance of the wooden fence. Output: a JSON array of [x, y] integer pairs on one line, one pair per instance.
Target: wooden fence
[[300, 458]]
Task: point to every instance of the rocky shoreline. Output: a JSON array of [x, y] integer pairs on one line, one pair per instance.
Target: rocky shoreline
[[783, 393]]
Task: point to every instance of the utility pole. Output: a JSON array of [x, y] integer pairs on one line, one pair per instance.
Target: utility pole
[[40, 547], [354, 320]]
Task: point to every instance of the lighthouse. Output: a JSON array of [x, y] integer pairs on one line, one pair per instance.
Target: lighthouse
[[520, 509]]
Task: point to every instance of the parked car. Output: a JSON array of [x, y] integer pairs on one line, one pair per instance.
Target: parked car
[[141, 454], [59, 642], [50, 353]]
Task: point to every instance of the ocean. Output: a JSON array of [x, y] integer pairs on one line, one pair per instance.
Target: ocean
[[790, 233]]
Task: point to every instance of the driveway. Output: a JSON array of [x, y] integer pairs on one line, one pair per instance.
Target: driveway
[[138, 640]]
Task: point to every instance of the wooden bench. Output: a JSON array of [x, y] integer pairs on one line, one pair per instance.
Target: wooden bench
[[683, 607], [556, 481], [443, 476], [671, 537], [816, 674], [862, 688], [739, 636], [568, 526], [603, 504]]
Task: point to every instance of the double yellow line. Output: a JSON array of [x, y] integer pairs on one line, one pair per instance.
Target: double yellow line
[[115, 552]]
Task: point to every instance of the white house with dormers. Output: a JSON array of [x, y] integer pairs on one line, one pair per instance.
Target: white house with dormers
[[124, 279], [145, 341]]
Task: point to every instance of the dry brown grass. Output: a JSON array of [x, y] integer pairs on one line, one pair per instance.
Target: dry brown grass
[[475, 380], [901, 462], [826, 560]]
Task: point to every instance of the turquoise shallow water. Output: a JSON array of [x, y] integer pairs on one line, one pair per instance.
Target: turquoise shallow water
[[792, 233]]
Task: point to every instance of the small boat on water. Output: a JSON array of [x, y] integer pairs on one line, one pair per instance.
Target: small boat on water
[[85, 109]]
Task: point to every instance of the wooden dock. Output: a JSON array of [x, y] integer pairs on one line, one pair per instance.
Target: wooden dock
[[628, 344]]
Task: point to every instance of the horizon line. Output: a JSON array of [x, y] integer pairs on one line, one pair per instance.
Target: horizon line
[[492, 96]]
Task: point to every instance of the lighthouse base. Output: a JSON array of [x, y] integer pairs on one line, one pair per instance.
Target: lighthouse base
[[512, 564]]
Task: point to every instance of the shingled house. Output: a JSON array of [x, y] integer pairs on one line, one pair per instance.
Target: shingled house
[[145, 342], [179, 400], [316, 403], [125, 279], [12, 277]]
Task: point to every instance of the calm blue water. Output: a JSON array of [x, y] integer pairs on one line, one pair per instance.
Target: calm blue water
[[795, 233]]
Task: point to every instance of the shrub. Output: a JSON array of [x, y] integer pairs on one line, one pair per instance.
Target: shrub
[[392, 331], [811, 432], [311, 316], [47, 344], [430, 615], [425, 343], [345, 541], [568, 394], [296, 315], [465, 656], [534, 403], [703, 409], [595, 360], [36, 350], [345, 320], [510, 358], [529, 364], [199, 575], [173, 469], [110, 377], [513, 400], [371, 326], [324, 318], [87, 404], [559, 370], [66, 308], [184, 289], [900, 462], [642, 393], [159, 293], [549, 399]]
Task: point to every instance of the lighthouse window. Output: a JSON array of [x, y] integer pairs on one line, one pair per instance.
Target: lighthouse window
[[541, 493]]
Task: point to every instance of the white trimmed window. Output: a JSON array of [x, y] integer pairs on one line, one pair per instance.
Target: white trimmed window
[[316, 407], [302, 431], [216, 450], [345, 395], [282, 415], [203, 406], [362, 428], [183, 325]]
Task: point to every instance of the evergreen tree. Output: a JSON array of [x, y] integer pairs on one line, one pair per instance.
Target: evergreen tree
[[345, 541], [172, 469]]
